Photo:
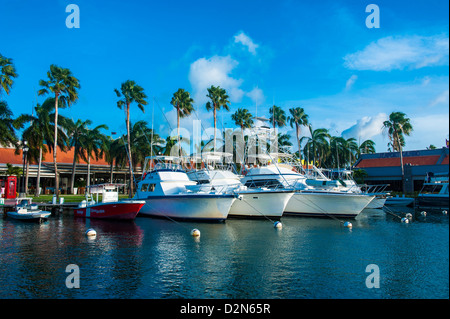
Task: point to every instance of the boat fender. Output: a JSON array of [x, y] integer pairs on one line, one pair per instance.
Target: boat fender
[[278, 225], [195, 232], [409, 216], [423, 213], [444, 212], [91, 232], [405, 220]]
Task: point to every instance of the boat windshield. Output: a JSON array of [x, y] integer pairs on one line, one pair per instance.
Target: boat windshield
[[431, 189]]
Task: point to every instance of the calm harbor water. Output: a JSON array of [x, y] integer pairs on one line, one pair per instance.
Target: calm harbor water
[[154, 258]]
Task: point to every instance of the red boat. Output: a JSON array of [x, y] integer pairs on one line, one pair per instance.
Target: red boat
[[110, 207]]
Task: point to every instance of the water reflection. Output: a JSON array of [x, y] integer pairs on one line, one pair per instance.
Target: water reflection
[[153, 258]]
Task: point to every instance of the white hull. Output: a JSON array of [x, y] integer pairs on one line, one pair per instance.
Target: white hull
[[327, 204], [29, 215], [203, 207], [260, 204], [376, 203]]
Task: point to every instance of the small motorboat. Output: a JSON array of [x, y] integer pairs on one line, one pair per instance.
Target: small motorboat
[[25, 210], [110, 207]]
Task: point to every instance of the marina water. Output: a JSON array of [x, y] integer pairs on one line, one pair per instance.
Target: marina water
[[158, 258]]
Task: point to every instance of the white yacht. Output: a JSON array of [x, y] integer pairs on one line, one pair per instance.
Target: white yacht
[[342, 180], [165, 189], [307, 200], [218, 173]]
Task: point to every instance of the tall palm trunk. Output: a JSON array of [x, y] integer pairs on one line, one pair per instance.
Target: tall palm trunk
[[54, 149], [214, 128], [129, 152], [74, 166], [178, 130], [297, 129], [38, 180], [89, 172]]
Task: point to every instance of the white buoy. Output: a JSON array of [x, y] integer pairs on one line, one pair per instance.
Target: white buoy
[[405, 220], [444, 212], [409, 216], [278, 225], [195, 232], [423, 213], [348, 225], [91, 232]]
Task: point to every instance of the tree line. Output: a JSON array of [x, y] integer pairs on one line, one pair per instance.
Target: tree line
[[49, 130]]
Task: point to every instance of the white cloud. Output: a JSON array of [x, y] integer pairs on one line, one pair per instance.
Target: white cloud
[[441, 98], [350, 82], [245, 40], [391, 53], [256, 95], [366, 127], [214, 71]]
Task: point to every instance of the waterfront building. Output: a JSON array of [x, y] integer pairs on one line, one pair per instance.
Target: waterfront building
[[385, 168]]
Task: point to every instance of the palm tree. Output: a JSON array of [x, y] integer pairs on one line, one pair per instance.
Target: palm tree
[[7, 73], [299, 118], [367, 147], [317, 144], [7, 133], [130, 92], [64, 86], [183, 102], [243, 118], [12, 170], [93, 143], [277, 117], [40, 134], [397, 126], [77, 130], [219, 99]]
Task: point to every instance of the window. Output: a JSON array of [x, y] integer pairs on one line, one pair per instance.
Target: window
[[144, 187]]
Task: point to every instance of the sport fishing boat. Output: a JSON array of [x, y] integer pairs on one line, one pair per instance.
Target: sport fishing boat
[[110, 206], [342, 180], [25, 210], [165, 188], [307, 200], [434, 193], [219, 173]]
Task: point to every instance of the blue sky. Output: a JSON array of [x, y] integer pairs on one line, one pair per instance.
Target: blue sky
[[318, 55]]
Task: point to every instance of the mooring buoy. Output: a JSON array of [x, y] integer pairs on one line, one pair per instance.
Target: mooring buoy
[[195, 232], [278, 225], [91, 232], [405, 220], [348, 225]]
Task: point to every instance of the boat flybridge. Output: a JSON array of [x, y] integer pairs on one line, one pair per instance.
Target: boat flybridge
[[434, 193], [168, 192], [218, 172], [278, 171], [342, 180]]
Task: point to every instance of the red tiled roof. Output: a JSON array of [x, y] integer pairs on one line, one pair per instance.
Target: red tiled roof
[[395, 161], [7, 156]]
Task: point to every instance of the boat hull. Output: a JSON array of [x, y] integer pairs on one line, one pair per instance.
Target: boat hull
[[433, 201], [260, 204], [30, 216], [206, 207], [126, 210], [326, 204], [376, 203]]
